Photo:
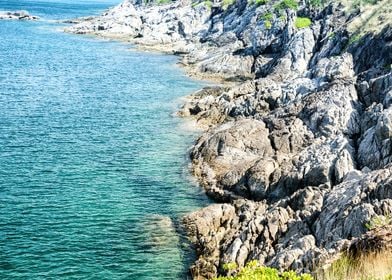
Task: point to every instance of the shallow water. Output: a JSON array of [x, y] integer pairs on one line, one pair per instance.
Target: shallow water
[[93, 165]]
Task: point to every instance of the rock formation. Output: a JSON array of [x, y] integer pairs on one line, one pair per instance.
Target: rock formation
[[297, 150], [17, 15]]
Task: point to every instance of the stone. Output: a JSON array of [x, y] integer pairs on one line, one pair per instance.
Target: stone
[[16, 15], [296, 149]]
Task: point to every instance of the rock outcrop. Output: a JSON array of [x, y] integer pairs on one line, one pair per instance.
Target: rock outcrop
[[297, 151], [17, 15]]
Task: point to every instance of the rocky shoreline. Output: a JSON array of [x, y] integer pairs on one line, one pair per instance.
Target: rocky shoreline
[[297, 150]]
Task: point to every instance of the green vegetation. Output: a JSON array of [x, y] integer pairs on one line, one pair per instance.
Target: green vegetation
[[267, 16], [230, 266], [353, 39], [261, 2], [208, 4], [162, 2], [331, 35], [258, 2], [374, 266], [194, 4], [302, 22], [268, 24], [252, 271], [227, 3], [379, 221], [287, 4], [316, 3]]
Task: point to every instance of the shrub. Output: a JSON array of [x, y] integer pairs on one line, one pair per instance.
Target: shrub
[[252, 270], [302, 22], [287, 4]]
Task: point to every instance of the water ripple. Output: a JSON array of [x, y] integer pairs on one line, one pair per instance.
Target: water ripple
[[93, 167]]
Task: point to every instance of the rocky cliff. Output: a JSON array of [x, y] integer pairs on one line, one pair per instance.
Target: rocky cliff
[[297, 150]]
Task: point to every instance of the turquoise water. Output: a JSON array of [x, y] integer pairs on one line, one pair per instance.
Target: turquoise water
[[93, 165]]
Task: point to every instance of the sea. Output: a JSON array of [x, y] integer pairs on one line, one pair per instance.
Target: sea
[[94, 167]]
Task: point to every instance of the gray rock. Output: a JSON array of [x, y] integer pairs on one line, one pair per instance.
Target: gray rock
[[298, 144], [17, 15]]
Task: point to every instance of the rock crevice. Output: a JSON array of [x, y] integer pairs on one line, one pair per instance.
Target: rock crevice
[[297, 148]]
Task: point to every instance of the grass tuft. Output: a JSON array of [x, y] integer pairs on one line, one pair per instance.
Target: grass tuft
[[374, 266], [379, 221]]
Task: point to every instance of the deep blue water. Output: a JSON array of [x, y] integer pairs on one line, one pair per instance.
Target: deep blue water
[[93, 165]]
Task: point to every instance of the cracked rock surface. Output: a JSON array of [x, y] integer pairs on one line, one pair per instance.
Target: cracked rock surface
[[297, 152]]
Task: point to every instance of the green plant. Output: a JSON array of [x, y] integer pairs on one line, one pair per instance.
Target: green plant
[[227, 3], [341, 268], [287, 4], [316, 3], [331, 35], [208, 4], [260, 2], [354, 38], [268, 24], [267, 16], [368, 266], [253, 271], [302, 22], [229, 266], [378, 221], [162, 2]]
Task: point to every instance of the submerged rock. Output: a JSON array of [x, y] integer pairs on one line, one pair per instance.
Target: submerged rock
[[159, 232]]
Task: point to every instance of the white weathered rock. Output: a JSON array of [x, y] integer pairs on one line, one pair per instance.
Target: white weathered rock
[[17, 15]]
